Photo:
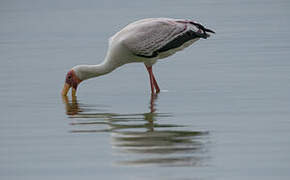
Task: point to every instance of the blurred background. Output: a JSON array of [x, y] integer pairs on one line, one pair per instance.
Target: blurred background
[[223, 112]]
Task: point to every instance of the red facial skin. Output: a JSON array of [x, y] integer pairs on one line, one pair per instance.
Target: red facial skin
[[72, 80]]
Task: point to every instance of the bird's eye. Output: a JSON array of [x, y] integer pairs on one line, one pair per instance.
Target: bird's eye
[[69, 77]]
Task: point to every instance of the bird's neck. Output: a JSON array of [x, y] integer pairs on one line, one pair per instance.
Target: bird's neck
[[91, 71]]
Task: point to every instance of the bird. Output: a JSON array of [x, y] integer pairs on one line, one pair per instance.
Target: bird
[[143, 41]]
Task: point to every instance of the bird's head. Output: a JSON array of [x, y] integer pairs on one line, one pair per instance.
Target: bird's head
[[71, 81]]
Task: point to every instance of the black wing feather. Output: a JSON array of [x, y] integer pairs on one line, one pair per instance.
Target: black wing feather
[[177, 42]]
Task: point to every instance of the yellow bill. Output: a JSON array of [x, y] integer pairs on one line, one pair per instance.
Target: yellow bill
[[65, 89], [73, 92]]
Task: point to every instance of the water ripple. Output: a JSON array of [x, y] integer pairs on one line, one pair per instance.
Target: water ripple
[[139, 138]]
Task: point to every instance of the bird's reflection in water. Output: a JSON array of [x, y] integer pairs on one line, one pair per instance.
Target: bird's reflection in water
[[140, 137]]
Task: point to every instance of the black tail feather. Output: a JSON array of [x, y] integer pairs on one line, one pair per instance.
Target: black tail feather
[[209, 30], [202, 27]]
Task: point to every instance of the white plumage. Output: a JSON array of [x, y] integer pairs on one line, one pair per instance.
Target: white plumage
[[146, 41], [152, 34]]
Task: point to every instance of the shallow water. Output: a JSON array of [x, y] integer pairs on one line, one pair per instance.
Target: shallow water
[[223, 112]]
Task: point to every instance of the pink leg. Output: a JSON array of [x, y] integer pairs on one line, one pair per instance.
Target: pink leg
[[149, 69], [155, 84], [153, 81], [152, 103]]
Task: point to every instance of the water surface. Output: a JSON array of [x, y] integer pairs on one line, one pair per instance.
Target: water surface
[[223, 112]]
